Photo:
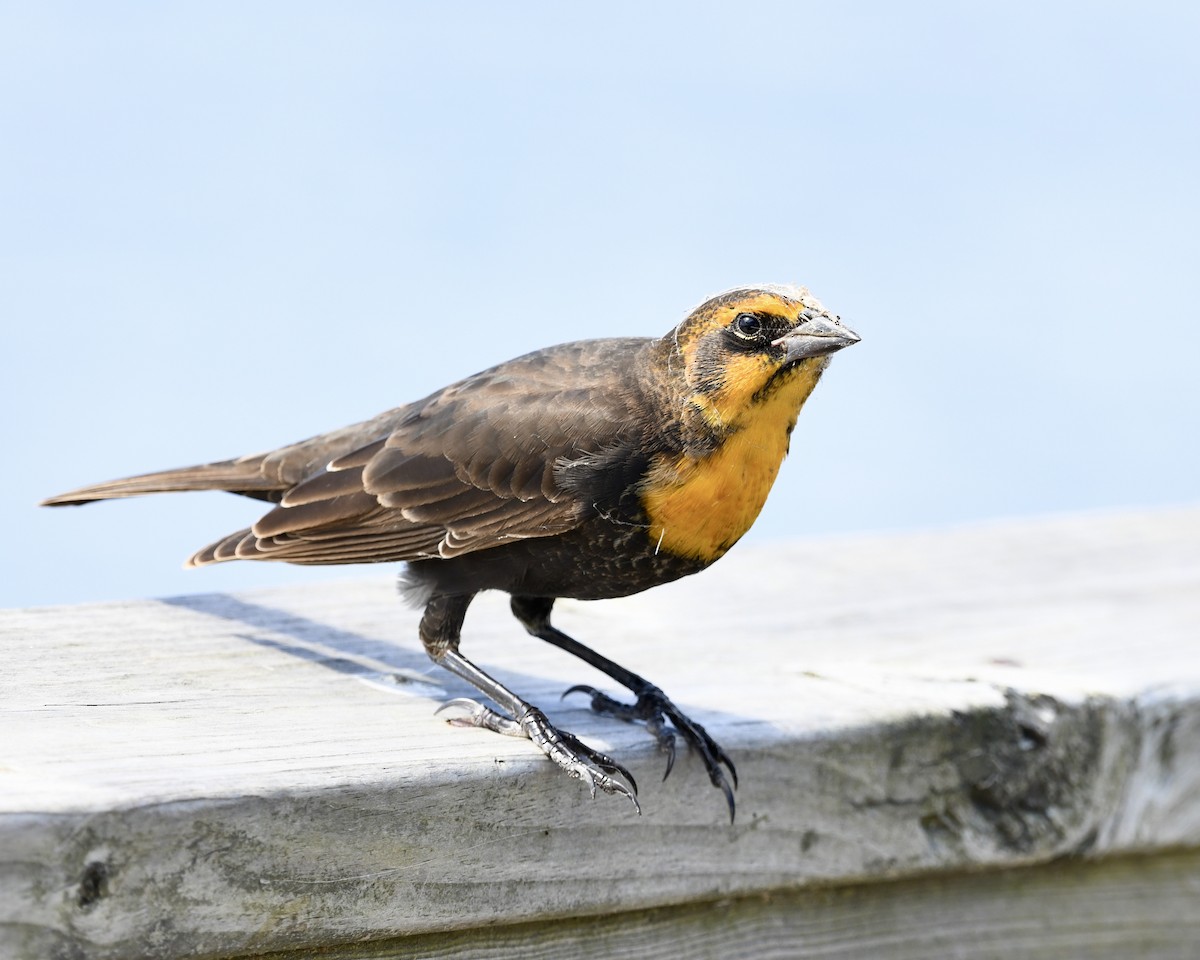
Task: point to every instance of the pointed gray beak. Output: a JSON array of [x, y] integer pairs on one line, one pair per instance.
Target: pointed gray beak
[[815, 337]]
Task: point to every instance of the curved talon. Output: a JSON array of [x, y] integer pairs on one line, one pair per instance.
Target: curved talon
[[580, 761], [665, 738], [666, 742], [467, 703], [601, 702], [585, 763], [709, 748], [653, 708], [725, 759], [481, 715], [607, 766], [622, 790], [728, 798]]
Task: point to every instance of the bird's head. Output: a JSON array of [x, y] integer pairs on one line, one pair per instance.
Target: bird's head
[[743, 346]]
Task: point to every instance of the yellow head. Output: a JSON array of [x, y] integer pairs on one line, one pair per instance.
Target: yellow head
[[750, 358], [739, 346]]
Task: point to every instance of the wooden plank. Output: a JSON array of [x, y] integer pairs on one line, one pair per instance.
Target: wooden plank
[[220, 775], [1108, 910]]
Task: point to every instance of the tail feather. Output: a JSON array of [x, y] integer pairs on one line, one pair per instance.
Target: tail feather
[[243, 476]]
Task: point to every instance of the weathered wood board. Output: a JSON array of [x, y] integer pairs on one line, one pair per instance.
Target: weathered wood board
[[223, 775], [1128, 908]]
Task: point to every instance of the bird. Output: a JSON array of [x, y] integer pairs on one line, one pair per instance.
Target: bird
[[588, 470]]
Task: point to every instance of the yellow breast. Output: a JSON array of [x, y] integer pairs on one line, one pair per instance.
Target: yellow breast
[[699, 507]]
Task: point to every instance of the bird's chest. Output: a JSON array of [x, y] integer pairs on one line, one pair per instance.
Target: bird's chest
[[699, 507]]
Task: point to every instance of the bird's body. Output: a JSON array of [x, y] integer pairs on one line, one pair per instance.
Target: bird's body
[[589, 470]]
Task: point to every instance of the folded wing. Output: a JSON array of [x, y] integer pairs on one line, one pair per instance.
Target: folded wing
[[469, 468]]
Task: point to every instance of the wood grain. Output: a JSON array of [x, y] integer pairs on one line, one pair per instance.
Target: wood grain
[[1110, 910]]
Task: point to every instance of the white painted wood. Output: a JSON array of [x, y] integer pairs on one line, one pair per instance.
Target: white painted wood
[[231, 774]]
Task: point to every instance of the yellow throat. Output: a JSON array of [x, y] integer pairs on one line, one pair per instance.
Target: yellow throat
[[699, 507]]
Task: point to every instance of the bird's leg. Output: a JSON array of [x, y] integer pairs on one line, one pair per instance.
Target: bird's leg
[[440, 630], [652, 706]]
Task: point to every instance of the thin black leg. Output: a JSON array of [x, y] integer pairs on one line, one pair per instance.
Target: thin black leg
[[441, 627], [652, 704]]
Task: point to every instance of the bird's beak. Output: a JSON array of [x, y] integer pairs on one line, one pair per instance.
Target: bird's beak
[[815, 338]]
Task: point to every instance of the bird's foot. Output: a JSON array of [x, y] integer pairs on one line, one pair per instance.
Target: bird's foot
[[580, 761], [654, 708]]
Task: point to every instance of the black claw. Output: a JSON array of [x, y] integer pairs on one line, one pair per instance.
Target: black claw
[[652, 708], [604, 704], [669, 746], [666, 741], [628, 776], [602, 761], [582, 762], [728, 797], [724, 758]]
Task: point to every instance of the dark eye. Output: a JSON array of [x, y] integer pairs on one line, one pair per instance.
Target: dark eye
[[747, 325]]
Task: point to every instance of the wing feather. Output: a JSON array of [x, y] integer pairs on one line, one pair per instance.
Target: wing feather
[[469, 468], [316, 514], [324, 485]]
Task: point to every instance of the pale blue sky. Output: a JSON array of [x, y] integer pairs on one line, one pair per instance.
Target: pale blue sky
[[225, 227]]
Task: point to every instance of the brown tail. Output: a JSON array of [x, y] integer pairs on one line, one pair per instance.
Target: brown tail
[[242, 476]]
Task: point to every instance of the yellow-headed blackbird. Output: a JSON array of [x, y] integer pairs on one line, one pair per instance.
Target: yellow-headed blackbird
[[589, 470]]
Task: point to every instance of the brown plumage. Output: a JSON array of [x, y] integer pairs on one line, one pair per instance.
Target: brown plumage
[[591, 469]]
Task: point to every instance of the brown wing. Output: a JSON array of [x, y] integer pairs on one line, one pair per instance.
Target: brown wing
[[468, 468]]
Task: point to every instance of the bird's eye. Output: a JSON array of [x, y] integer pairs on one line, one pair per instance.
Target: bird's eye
[[747, 325]]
